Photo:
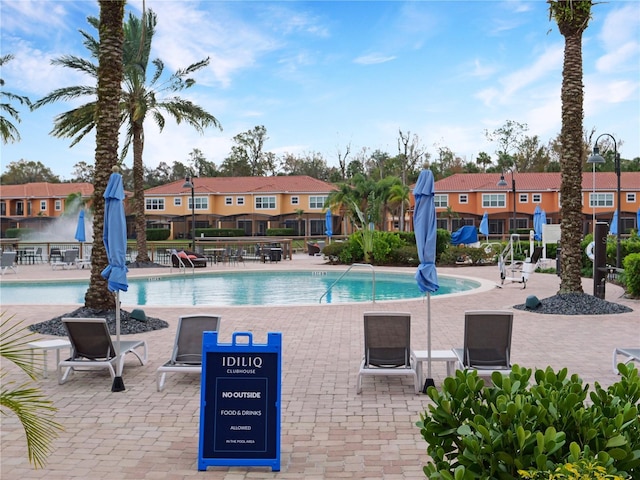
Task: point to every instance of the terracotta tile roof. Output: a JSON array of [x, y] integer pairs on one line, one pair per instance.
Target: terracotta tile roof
[[534, 182], [246, 185], [45, 190]]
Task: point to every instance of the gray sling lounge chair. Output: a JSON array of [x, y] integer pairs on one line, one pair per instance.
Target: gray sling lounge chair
[[632, 354], [487, 341], [92, 348], [387, 347], [8, 262], [187, 349]]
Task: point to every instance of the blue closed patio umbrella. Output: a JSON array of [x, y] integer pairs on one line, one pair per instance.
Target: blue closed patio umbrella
[[424, 226], [537, 223], [328, 220], [484, 225], [613, 227], [80, 233], [115, 242]]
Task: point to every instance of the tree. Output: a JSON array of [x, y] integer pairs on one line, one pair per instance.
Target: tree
[[8, 130], [248, 155], [531, 155], [107, 126], [142, 96], [83, 172], [200, 165], [311, 164], [483, 160], [572, 18], [26, 171], [508, 137]]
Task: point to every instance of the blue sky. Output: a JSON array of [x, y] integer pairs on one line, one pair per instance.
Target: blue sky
[[322, 75]]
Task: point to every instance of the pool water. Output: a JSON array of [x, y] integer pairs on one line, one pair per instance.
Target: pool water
[[243, 288]]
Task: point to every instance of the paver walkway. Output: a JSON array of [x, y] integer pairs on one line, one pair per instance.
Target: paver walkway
[[328, 431]]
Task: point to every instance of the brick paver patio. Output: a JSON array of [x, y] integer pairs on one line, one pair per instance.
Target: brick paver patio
[[328, 431]]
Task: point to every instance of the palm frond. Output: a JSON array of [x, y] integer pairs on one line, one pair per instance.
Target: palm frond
[[66, 93], [77, 63], [186, 111], [33, 409]]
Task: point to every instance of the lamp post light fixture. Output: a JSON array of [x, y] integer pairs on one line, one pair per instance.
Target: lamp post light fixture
[[503, 183], [188, 183], [597, 158]]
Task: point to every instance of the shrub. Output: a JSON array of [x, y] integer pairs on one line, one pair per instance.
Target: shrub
[[220, 232], [470, 255], [632, 274], [17, 232], [158, 234], [280, 232], [443, 240], [406, 255], [383, 244], [334, 250], [478, 432]]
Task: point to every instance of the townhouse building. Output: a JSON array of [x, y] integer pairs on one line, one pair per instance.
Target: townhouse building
[[253, 204], [462, 199]]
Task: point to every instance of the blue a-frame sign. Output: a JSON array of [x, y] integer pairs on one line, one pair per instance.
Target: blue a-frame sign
[[240, 401]]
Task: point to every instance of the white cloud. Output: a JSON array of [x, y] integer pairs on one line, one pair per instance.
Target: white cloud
[[623, 58], [373, 58]]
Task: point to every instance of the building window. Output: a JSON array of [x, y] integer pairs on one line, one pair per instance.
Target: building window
[[58, 205], [19, 208], [523, 198], [265, 203], [228, 200], [494, 200], [177, 201], [202, 203], [463, 198], [43, 205], [631, 198], [154, 204], [317, 202], [239, 200], [600, 200], [3, 208], [536, 197], [295, 200], [441, 201], [442, 223]]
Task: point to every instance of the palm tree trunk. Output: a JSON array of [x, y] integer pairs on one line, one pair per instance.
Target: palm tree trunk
[[107, 128], [572, 18], [138, 193]]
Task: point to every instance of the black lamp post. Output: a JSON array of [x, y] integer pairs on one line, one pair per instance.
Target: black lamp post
[[188, 183], [503, 183], [597, 158]]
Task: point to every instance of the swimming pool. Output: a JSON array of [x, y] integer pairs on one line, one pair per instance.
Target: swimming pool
[[238, 288]]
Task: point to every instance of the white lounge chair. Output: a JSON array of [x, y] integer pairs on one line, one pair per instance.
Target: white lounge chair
[[632, 354], [387, 347], [187, 348], [92, 348]]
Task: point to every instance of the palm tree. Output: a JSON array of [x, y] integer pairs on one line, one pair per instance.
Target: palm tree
[[399, 201], [140, 97], [572, 17], [28, 403], [8, 131], [107, 123]]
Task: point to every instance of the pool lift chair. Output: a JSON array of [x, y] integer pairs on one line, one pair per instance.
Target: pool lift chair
[[517, 271]]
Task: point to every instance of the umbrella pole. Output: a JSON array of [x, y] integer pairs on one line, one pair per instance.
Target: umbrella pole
[[118, 383], [429, 381]]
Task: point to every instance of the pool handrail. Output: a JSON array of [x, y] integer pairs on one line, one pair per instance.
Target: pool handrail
[[373, 282]]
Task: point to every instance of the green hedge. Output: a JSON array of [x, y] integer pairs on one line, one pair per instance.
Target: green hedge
[[280, 232], [17, 232], [632, 274], [220, 232], [158, 234]]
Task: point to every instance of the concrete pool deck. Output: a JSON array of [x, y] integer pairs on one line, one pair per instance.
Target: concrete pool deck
[[328, 431]]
